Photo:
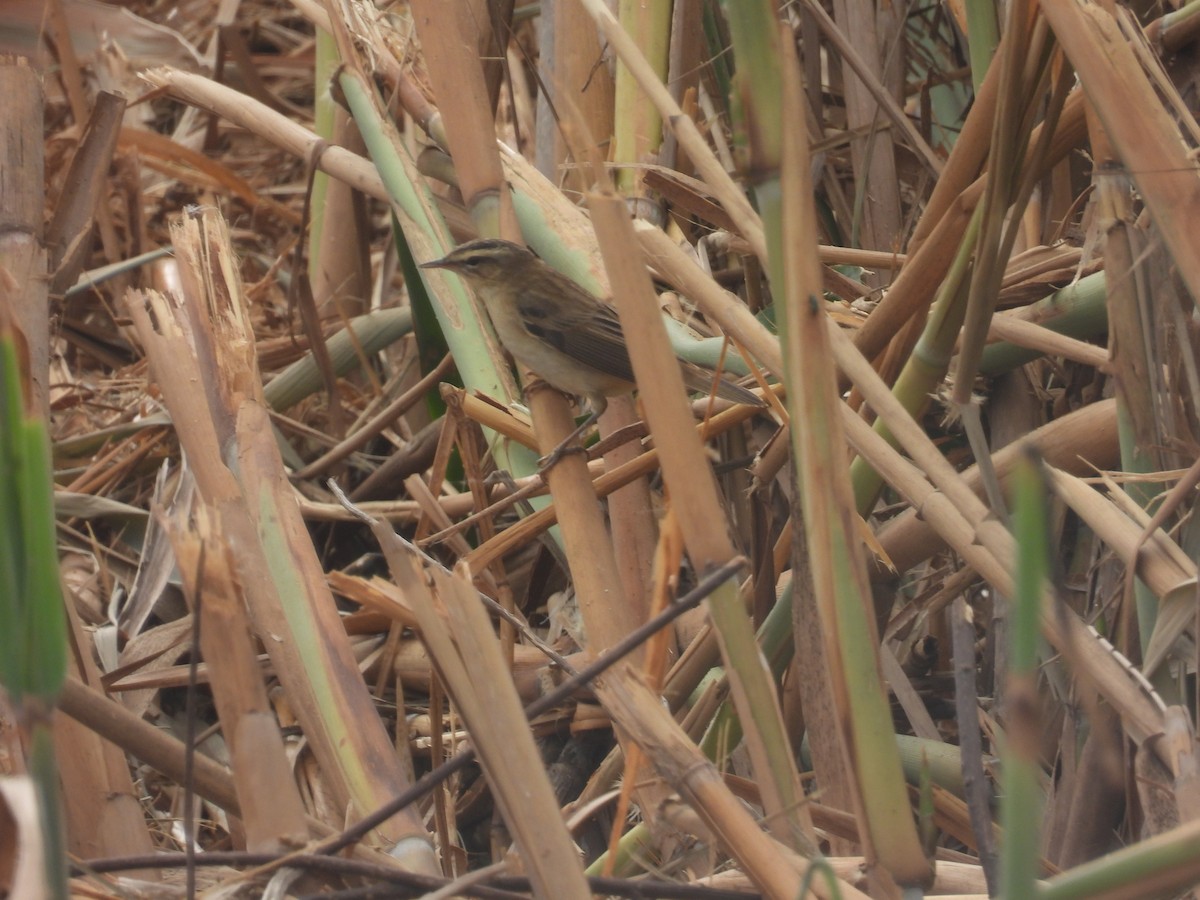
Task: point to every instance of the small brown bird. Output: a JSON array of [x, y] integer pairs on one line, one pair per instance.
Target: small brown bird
[[562, 332]]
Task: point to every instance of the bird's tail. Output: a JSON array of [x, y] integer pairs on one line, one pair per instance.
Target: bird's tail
[[700, 379]]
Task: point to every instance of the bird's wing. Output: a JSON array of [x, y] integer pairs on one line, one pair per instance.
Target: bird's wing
[[699, 379], [588, 332]]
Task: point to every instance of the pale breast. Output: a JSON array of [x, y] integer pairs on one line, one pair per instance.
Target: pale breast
[[557, 368]]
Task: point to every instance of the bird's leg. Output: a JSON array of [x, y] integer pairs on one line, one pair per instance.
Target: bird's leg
[[598, 405], [568, 445]]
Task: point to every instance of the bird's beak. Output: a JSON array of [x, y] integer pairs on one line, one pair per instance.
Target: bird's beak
[[434, 264]]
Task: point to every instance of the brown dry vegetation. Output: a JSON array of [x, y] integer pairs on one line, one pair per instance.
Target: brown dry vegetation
[[975, 267]]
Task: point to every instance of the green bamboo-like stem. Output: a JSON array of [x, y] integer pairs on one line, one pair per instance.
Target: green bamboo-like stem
[[1137, 459], [1078, 310], [795, 275], [32, 624], [833, 544], [637, 125], [754, 31], [927, 365], [366, 336], [246, 484], [324, 111], [1021, 801], [1139, 431], [33, 642], [371, 334], [752, 26], [44, 769], [1159, 866], [635, 846], [44, 643], [966, 298], [461, 322], [475, 350], [775, 639], [1176, 27], [983, 36]]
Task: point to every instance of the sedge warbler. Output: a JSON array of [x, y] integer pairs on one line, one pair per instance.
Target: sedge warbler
[[564, 334]]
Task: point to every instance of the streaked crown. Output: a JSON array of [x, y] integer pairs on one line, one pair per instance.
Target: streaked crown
[[485, 258]]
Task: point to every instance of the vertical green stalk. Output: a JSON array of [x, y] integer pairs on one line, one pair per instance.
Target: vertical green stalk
[[1137, 458], [754, 31], [323, 119], [983, 35], [32, 622], [637, 125], [926, 367], [1021, 803], [839, 578], [1130, 287]]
